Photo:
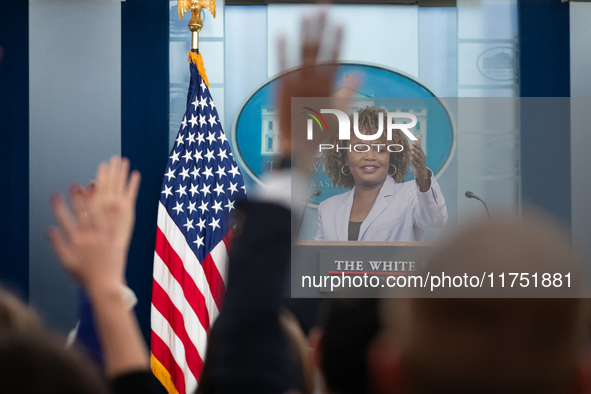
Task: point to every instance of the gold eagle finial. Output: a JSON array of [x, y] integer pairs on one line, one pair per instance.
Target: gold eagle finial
[[196, 23]]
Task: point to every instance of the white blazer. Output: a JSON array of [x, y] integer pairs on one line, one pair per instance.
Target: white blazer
[[401, 213]]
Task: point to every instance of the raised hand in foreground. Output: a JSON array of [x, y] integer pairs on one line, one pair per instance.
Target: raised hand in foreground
[[93, 236], [92, 241], [312, 79]]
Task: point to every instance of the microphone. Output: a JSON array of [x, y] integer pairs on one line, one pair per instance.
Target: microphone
[[316, 193], [472, 195]]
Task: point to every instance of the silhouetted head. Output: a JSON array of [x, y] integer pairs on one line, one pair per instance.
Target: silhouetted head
[[488, 345], [36, 363], [345, 329]]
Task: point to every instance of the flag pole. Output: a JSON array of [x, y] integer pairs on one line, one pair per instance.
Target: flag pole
[[196, 23]]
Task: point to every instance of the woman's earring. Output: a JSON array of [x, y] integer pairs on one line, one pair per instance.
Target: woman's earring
[[343, 170], [392, 174]]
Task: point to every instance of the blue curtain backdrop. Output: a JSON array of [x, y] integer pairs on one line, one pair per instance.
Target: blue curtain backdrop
[[144, 132], [14, 146], [544, 62]]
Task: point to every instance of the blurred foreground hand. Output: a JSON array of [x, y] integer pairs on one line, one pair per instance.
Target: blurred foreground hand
[[93, 236], [311, 79]]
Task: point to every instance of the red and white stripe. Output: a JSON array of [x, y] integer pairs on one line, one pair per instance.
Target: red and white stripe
[[186, 299]]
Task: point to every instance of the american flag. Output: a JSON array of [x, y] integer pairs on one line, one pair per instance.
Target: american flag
[[201, 185]]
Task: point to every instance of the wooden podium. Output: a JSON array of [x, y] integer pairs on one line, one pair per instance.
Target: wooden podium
[[314, 257], [319, 259]]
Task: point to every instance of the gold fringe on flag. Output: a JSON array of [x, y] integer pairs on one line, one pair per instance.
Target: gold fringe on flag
[[197, 60], [163, 375]]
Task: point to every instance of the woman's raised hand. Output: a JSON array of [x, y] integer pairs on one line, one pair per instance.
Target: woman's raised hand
[[419, 165]]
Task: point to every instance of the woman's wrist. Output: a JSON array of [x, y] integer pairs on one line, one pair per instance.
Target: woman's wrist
[[424, 184]]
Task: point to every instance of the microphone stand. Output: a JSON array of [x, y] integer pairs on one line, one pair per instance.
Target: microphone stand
[[472, 195]]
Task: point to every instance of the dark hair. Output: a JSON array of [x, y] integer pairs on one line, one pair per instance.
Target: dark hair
[[348, 326], [368, 124], [36, 363], [15, 315]]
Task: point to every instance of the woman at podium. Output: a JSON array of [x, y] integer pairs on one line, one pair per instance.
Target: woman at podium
[[380, 206]]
